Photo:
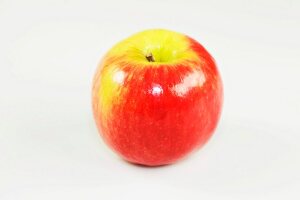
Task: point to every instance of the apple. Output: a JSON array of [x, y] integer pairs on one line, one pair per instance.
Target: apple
[[156, 97]]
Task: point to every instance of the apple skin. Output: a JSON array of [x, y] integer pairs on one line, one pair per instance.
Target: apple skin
[[155, 114]]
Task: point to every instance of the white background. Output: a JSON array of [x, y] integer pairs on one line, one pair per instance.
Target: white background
[[49, 146]]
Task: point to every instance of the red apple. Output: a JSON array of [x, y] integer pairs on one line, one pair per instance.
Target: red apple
[[157, 96]]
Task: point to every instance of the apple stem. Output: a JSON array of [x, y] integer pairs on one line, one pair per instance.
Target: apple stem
[[150, 57]]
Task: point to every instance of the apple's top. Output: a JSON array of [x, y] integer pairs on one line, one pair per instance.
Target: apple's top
[[154, 47]]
